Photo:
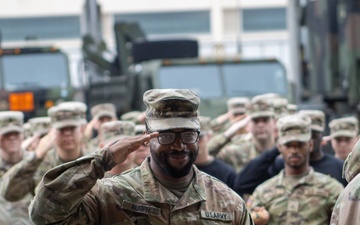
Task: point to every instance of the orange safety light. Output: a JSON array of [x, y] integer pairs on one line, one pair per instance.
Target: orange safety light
[[22, 101], [49, 103]]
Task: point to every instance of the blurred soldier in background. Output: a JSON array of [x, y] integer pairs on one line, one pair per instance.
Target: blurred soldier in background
[[208, 163], [298, 195], [100, 114], [344, 135], [11, 137], [63, 143], [236, 108], [136, 117], [262, 130], [347, 208], [39, 127]]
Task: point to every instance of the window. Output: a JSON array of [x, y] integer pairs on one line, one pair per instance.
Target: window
[[170, 23], [45, 70], [269, 19], [40, 28], [205, 80]]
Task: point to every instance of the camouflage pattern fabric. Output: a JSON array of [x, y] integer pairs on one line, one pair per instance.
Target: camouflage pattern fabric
[[347, 208], [218, 127], [171, 109], [13, 212], [238, 153], [74, 193], [307, 201], [104, 109], [344, 127], [26, 175]]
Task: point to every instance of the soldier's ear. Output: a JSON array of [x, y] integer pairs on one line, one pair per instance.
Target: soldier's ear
[[311, 143], [280, 147]]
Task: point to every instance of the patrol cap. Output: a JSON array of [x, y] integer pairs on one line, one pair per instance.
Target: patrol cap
[[40, 125], [115, 129], [80, 107], [26, 130], [204, 123], [131, 116], [280, 106], [66, 115], [292, 108], [102, 110], [11, 121], [237, 104], [139, 129], [344, 127], [293, 128], [171, 108], [317, 119], [260, 106]]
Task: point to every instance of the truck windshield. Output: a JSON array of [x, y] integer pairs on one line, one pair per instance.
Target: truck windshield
[[44, 70], [226, 80]]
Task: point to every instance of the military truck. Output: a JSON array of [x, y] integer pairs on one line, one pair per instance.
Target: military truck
[[328, 42], [141, 65], [32, 79]]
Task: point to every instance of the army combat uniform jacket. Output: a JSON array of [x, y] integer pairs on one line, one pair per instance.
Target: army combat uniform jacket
[[347, 208], [309, 201], [74, 193], [23, 177]]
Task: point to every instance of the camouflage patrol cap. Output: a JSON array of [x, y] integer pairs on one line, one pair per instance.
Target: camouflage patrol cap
[[139, 129], [105, 109], [344, 127], [66, 115], [171, 108], [280, 106], [260, 107], [115, 129], [79, 107], [237, 104], [11, 121], [204, 123], [317, 119], [40, 125], [27, 130], [293, 128], [131, 116], [351, 166], [292, 108]]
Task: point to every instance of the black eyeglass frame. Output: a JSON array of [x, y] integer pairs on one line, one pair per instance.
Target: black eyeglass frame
[[177, 134]]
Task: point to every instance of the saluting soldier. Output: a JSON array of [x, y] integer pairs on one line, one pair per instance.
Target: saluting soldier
[[165, 189]]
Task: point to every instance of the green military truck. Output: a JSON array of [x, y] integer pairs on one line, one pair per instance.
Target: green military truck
[[329, 53], [33, 79], [142, 65]]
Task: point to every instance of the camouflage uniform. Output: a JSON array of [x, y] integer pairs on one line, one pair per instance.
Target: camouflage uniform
[[306, 199], [75, 194], [242, 149], [347, 207], [12, 212], [344, 127], [23, 178]]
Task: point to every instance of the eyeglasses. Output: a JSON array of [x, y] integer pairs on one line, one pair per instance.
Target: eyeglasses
[[169, 138]]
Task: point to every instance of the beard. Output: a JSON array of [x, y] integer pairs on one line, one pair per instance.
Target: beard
[[162, 159]]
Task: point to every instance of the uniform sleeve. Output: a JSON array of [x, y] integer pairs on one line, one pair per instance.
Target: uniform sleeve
[[217, 143], [335, 189], [18, 181], [68, 194]]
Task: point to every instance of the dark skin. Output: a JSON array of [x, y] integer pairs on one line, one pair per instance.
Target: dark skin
[[296, 156], [317, 152]]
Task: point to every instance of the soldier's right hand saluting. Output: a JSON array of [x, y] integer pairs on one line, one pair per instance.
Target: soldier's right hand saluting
[[122, 148]]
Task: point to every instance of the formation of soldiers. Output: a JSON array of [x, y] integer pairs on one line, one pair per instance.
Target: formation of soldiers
[[264, 149]]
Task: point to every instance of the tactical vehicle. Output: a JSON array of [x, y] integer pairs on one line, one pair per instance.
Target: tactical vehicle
[[326, 33], [141, 65], [33, 79]]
